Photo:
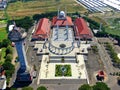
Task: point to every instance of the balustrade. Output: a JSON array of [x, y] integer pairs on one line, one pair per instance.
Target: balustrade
[[60, 51]]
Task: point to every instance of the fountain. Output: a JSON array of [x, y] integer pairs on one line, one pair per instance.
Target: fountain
[[63, 69]]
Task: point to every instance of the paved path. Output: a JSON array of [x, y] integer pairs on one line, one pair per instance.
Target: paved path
[[14, 55], [62, 86], [111, 80], [64, 81]]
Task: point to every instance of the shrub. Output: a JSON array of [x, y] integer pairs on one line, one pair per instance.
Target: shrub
[[27, 88], [95, 49], [9, 50], [113, 54], [9, 58], [117, 73], [10, 68], [114, 74], [100, 86], [25, 23], [6, 42], [42, 88], [85, 87], [13, 88], [8, 81], [0, 55], [97, 86]]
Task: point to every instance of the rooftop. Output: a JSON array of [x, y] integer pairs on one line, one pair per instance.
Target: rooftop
[[62, 22], [43, 28], [2, 82], [82, 28], [17, 34]]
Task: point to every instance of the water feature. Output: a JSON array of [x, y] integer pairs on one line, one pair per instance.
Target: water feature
[[63, 69]]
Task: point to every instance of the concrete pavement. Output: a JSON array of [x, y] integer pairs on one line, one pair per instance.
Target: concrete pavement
[[112, 81]]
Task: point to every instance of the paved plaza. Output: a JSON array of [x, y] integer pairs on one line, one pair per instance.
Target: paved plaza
[[75, 59], [48, 69]]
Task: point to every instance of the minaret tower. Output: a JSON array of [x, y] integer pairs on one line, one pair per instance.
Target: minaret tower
[[17, 35]]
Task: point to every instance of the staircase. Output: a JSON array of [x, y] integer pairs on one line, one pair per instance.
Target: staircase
[[58, 59]]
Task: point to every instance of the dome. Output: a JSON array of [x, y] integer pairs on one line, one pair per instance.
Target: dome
[[62, 13], [11, 27]]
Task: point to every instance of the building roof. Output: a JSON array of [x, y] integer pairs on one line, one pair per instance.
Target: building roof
[[82, 28], [2, 71], [62, 22], [17, 34], [2, 78], [43, 27], [3, 83], [101, 73], [3, 4]]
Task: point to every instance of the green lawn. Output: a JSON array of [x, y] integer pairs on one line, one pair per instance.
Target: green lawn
[[2, 14], [98, 19], [3, 21], [114, 27], [59, 70], [3, 33], [2, 52], [113, 31], [20, 9]]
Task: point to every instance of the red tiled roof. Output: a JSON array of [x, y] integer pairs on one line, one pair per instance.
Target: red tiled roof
[[101, 73], [43, 28], [82, 29], [62, 22]]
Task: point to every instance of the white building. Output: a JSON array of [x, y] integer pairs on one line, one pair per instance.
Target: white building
[[3, 84], [113, 3]]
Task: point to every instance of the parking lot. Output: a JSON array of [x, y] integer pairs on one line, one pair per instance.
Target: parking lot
[[93, 65]]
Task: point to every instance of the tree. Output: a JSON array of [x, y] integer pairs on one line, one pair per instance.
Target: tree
[[8, 66], [57, 0], [0, 44], [6, 42], [85, 87], [13, 88], [42, 88], [62, 60], [95, 49], [9, 50], [27, 88], [8, 74], [0, 55], [25, 23], [97, 86], [9, 58], [100, 86]]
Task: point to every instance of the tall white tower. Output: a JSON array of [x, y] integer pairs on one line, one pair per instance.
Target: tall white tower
[[17, 35]]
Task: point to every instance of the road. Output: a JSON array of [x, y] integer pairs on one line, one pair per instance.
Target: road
[[34, 60]]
